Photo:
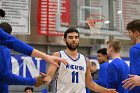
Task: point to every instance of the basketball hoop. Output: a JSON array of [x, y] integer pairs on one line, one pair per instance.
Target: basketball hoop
[[95, 22]]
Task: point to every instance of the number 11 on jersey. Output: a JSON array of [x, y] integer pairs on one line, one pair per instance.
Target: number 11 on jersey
[[75, 76]]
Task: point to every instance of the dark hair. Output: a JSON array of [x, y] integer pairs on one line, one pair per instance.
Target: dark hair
[[2, 13], [70, 30], [28, 88], [102, 51], [115, 44], [6, 27], [134, 25]]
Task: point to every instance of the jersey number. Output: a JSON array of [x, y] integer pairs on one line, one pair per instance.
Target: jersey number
[[75, 76]]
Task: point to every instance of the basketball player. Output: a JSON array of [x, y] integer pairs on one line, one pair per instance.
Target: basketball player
[[134, 53], [117, 70], [103, 61], [74, 77]]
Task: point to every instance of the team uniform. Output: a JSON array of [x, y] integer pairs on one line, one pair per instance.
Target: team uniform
[[102, 74], [135, 64], [117, 72], [6, 77], [71, 77], [3, 88]]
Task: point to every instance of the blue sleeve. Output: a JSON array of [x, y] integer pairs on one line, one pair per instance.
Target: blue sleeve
[[102, 76], [87, 90], [13, 79], [3, 88], [134, 55], [112, 77], [15, 44]]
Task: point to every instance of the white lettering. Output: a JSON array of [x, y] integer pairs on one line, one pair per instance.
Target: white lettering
[[28, 63], [15, 66]]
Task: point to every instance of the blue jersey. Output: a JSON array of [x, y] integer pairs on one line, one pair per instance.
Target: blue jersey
[[134, 54], [6, 77], [102, 74], [117, 72], [3, 88]]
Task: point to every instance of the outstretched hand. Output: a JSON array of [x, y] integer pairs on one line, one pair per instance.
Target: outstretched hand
[[51, 59], [46, 78], [40, 80], [58, 59], [131, 82], [54, 59]]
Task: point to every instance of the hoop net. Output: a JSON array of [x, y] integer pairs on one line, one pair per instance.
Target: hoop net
[[95, 23]]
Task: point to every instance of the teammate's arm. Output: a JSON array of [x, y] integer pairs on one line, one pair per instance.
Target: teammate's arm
[[19, 46], [55, 59], [93, 86]]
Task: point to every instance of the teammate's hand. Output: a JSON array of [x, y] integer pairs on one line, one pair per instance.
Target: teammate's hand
[[39, 81], [58, 59], [53, 60], [46, 78], [131, 82]]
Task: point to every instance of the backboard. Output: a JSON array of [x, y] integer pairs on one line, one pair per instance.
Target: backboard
[[117, 13]]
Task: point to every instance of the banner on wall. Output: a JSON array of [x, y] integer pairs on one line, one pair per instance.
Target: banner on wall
[[65, 12], [27, 66], [17, 14], [47, 13]]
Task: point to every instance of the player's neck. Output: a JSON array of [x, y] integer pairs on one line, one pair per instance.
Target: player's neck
[[138, 39], [116, 55], [71, 53]]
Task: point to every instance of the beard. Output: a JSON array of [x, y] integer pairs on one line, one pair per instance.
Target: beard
[[71, 46]]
